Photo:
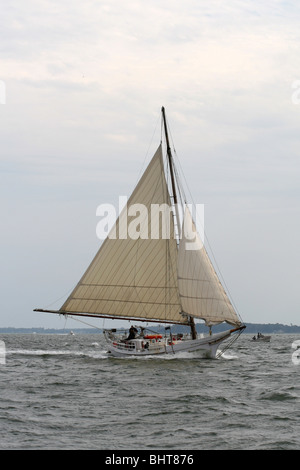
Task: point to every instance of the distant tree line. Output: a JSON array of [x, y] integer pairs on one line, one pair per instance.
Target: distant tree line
[[274, 328], [251, 328]]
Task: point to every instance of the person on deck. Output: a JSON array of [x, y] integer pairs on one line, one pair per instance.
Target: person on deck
[[132, 333]]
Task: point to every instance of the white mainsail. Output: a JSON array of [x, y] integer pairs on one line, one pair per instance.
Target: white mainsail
[[129, 277], [201, 293]]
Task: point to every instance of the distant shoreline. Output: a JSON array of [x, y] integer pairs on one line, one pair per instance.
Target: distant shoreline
[[270, 328]]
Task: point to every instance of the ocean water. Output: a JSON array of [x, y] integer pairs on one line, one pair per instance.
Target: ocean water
[[65, 392]]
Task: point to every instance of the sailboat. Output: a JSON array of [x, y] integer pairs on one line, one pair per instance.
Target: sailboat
[[156, 269]]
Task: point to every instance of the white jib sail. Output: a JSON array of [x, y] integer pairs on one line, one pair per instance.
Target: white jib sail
[[201, 293]]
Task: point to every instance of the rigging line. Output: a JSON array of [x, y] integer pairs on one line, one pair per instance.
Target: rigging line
[[228, 345], [170, 268], [181, 197], [169, 273], [148, 150], [176, 222], [207, 240], [205, 233], [65, 322], [81, 321], [167, 264], [62, 297]]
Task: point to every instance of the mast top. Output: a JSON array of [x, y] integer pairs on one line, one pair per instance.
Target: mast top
[[170, 157]]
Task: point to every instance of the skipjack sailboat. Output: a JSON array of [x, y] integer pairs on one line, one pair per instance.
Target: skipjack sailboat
[[159, 274]]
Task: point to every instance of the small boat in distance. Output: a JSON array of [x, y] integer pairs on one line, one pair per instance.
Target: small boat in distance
[[261, 338], [164, 278]]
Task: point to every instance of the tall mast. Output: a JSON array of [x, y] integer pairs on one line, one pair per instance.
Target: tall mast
[[171, 165], [170, 158], [169, 153]]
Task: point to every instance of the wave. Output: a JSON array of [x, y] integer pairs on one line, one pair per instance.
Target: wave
[[48, 352]]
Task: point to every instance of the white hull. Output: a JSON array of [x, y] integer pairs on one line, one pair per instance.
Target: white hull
[[142, 347]]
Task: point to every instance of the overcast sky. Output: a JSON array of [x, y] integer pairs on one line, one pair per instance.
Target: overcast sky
[[82, 84]]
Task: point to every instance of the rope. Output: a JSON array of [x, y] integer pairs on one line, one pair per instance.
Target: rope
[[80, 321], [229, 344]]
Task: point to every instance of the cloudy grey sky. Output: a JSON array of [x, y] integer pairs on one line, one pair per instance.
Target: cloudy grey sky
[[84, 83]]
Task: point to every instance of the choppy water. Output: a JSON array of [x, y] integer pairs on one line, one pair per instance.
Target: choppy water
[[64, 392]]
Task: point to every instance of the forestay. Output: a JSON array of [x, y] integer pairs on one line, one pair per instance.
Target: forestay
[[201, 293]]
